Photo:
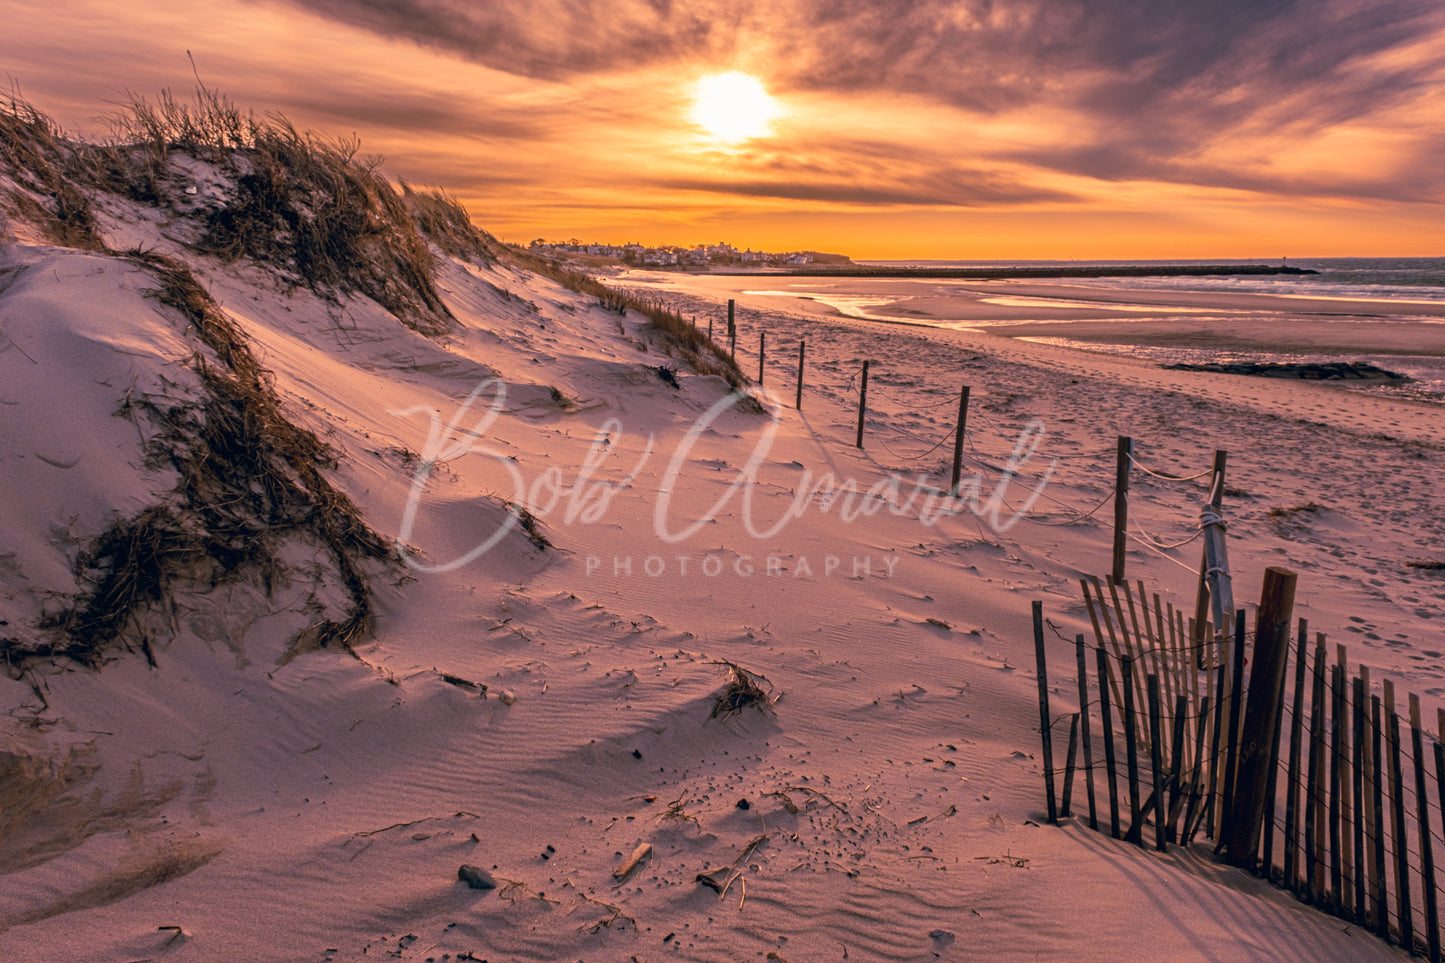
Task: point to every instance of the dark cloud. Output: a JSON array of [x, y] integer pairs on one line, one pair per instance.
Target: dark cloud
[[946, 189], [1150, 81]]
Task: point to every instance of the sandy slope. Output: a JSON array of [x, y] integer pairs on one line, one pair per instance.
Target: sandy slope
[[320, 809]]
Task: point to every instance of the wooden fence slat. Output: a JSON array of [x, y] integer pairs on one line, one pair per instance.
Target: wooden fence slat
[[1066, 803], [1079, 649], [1314, 884], [1427, 848], [1045, 727], [1380, 896], [1337, 712], [1107, 719], [1231, 758], [1156, 761], [1357, 772], [1349, 816], [1131, 749], [1399, 837], [1196, 778], [1293, 784], [1176, 763]]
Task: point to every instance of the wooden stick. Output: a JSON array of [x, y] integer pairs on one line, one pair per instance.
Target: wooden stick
[[1427, 848], [1292, 785], [1045, 725], [630, 863], [1107, 717], [1064, 808], [1084, 729], [762, 354]]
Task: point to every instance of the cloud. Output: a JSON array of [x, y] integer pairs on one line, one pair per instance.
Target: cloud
[[1138, 84]]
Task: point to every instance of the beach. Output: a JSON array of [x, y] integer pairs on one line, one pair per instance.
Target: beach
[[589, 544]]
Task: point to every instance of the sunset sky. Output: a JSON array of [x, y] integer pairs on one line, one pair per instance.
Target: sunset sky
[[898, 129]]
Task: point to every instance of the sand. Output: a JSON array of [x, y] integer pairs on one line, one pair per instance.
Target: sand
[[230, 804]]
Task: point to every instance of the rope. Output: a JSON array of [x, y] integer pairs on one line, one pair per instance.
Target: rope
[[1176, 478]]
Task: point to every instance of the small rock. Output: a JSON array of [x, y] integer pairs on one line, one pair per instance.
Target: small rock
[[476, 877], [637, 754], [507, 697], [744, 804]]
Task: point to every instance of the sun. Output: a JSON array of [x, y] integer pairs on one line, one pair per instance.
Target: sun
[[734, 107]]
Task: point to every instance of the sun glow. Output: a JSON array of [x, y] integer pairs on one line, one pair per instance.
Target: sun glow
[[734, 107]]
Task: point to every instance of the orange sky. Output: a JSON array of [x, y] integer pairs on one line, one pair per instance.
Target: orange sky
[[905, 128]]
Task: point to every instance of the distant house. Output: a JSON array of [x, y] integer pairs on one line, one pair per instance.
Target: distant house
[[796, 260], [752, 257]]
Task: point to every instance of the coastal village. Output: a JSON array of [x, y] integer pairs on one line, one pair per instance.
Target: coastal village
[[702, 255]]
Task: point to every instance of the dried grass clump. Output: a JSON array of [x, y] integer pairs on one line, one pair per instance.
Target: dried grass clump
[[299, 202], [443, 220], [42, 165], [741, 691], [250, 481]]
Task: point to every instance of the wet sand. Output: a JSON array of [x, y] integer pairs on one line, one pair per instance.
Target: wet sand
[[1099, 313]]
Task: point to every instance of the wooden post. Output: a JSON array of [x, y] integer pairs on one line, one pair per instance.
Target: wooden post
[[1123, 457], [1398, 836], [1131, 748], [1045, 730], [1216, 743], [1293, 783], [762, 354], [1107, 718], [862, 405], [709, 329], [1251, 802], [1343, 787], [958, 442], [733, 347], [732, 323], [1084, 729], [1216, 498], [1156, 761], [1427, 854], [1271, 792], [802, 350]]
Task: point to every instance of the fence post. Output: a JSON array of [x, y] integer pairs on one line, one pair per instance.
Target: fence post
[[958, 442], [802, 350], [1231, 758], [1131, 748], [762, 354], [1293, 783], [1156, 761], [732, 324], [1397, 822], [1251, 804], [1216, 499], [1045, 730], [1121, 503], [862, 405]]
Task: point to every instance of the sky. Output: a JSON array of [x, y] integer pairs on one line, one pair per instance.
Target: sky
[[989, 129]]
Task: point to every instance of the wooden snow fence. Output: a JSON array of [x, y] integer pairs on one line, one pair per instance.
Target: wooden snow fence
[[1294, 763]]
